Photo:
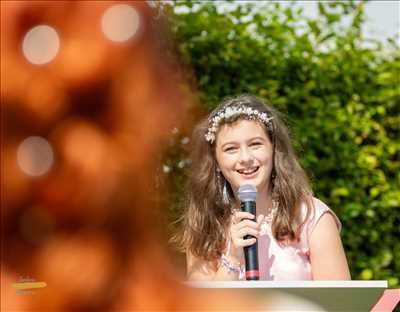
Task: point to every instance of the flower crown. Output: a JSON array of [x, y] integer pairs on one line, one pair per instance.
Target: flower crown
[[230, 112]]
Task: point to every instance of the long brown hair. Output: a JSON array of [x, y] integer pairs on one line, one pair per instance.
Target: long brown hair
[[207, 216]]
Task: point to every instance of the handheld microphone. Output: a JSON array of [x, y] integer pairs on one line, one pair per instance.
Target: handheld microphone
[[247, 194]]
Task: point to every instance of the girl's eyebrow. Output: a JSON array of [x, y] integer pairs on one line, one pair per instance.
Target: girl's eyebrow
[[256, 138], [249, 140]]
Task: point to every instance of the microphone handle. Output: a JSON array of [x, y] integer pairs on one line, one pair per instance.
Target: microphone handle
[[251, 252]]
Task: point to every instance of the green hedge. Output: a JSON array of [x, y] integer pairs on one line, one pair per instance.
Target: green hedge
[[340, 94]]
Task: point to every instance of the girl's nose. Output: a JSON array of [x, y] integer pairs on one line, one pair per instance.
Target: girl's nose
[[245, 156]]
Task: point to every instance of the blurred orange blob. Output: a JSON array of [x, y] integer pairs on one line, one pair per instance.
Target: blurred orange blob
[[86, 271]]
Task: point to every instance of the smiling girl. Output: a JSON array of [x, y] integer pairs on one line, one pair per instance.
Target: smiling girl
[[244, 141]]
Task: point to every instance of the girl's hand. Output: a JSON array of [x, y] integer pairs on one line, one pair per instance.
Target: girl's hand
[[242, 224]]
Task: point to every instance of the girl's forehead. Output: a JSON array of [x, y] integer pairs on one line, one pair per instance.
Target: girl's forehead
[[241, 129]]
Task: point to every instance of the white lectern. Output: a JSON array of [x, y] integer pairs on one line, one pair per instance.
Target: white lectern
[[306, 295]]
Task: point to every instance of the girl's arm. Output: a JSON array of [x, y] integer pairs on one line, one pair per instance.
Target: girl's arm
[[328, 260], [201, 270]]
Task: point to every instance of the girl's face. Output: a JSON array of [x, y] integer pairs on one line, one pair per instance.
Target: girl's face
[[244, 154]]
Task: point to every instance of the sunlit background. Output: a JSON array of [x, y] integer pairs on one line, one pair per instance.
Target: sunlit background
[[91, 98]]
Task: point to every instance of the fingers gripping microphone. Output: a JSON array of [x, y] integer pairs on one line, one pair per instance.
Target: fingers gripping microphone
[[247, 195]]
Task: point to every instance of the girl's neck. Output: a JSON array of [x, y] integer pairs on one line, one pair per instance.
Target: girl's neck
[[264, 203]]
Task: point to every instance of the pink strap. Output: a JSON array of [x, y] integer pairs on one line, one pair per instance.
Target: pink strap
[[388, 301]]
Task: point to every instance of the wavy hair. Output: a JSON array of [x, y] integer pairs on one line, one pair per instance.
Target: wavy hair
[[207, 217]]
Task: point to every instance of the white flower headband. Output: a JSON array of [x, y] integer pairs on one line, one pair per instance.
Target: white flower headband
[[230, 112]]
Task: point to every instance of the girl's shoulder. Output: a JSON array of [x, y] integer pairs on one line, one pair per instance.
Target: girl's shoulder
[[317, 209]]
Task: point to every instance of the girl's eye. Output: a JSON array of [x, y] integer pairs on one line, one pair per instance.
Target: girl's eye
[[230, 149], [255, 144]]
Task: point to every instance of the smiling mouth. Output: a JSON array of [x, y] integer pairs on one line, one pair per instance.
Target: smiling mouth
[[248, 172]]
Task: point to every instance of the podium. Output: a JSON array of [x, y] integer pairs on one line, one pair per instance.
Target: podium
[[304, 295]]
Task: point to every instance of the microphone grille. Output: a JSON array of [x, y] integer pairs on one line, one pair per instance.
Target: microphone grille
[[247, 192]]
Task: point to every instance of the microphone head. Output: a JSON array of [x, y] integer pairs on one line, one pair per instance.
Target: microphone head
[[247, 192]]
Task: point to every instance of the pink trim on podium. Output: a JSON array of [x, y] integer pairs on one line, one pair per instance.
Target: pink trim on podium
[[388, 301]]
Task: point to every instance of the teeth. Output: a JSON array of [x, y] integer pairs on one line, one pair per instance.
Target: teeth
[[247, 171]]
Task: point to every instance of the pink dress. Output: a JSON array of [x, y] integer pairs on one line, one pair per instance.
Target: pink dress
[[290, 261]]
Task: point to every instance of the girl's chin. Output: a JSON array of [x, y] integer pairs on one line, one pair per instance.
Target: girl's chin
[[260, 186], [251, 182]]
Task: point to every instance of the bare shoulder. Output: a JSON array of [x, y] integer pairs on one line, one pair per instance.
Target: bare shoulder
[[328, 260], [326, 226], [318, 211]]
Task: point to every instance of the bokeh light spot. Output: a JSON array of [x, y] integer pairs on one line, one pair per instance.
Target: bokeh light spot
[[120, 22], [41, 44], [35, 156]]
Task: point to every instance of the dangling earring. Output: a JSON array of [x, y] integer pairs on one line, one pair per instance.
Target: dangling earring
[[223, 187], [225, 195]]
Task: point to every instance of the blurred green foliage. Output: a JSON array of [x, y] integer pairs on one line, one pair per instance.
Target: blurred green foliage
[[339, 91]]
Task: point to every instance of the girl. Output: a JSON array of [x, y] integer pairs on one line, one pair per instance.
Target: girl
[[244, 141]]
